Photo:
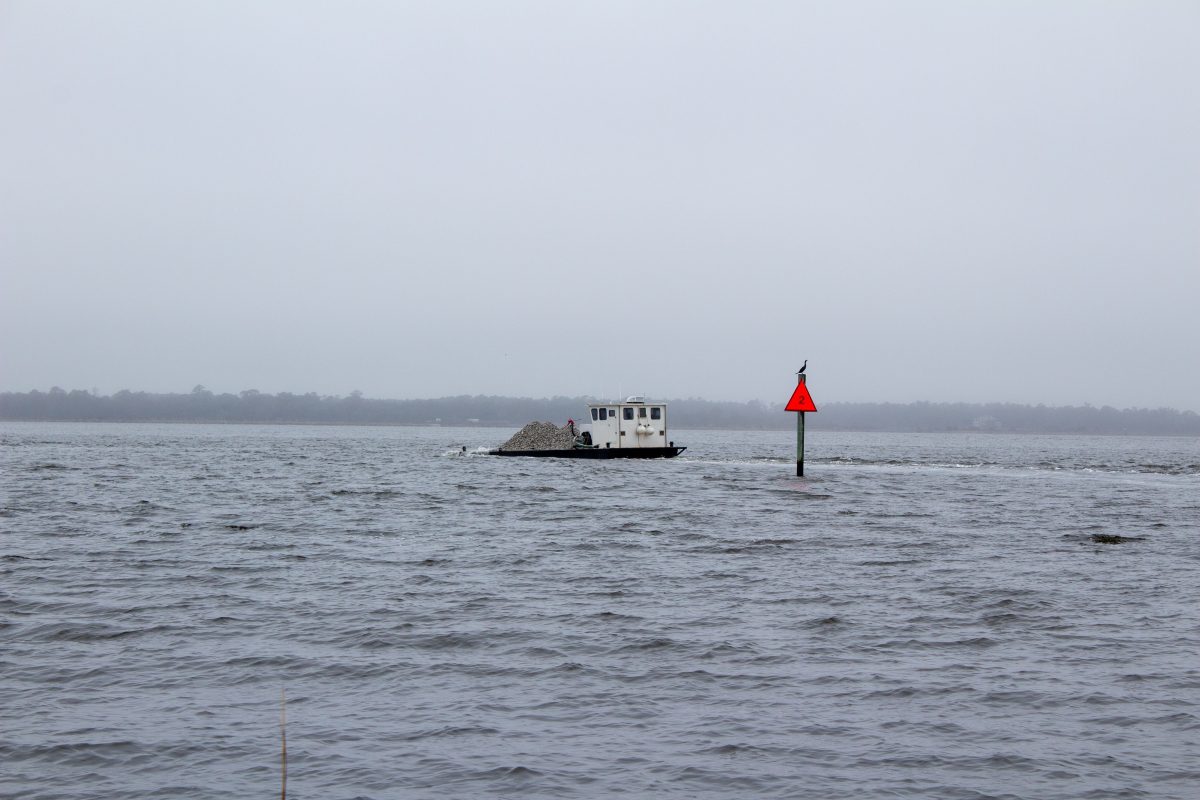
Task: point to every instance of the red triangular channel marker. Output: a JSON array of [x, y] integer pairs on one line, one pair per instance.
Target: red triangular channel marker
[[801, 400]]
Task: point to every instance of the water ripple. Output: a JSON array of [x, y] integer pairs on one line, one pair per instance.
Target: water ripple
[[925, 617]]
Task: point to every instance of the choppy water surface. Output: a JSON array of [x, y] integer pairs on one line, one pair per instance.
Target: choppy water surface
[[921, 616]]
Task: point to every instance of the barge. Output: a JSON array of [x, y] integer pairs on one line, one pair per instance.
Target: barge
[[629, 429]]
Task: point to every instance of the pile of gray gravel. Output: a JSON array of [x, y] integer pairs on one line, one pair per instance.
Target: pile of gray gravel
[[541, 436]]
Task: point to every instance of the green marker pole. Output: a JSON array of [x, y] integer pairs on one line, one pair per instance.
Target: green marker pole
[[800, 437]]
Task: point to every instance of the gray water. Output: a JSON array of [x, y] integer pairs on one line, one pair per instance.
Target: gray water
[[921, 616]]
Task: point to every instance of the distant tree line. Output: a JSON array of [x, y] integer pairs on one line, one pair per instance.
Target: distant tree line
[[201, 405], [1007, 418]]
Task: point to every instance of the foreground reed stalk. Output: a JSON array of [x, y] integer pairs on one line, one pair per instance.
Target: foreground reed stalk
[[283, 741]]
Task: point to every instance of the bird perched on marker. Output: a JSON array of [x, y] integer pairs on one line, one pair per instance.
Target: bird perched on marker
[[801, 370]]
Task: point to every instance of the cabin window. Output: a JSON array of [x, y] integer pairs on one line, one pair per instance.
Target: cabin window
[[612, 412], [628, 413], [656, 413], [604, 413], [642, 412], [595, 414]]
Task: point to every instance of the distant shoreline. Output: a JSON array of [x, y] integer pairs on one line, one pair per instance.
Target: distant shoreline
[[255, 408], [517, 425]]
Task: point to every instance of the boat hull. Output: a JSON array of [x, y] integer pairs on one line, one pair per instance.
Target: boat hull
[[595, 452]]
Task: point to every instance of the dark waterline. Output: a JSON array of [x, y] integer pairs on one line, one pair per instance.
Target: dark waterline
[[922, 616]]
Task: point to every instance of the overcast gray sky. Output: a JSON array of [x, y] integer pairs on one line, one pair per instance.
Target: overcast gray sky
[[928, 200]]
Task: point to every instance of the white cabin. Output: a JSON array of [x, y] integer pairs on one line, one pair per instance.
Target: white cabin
[[628, 424]]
